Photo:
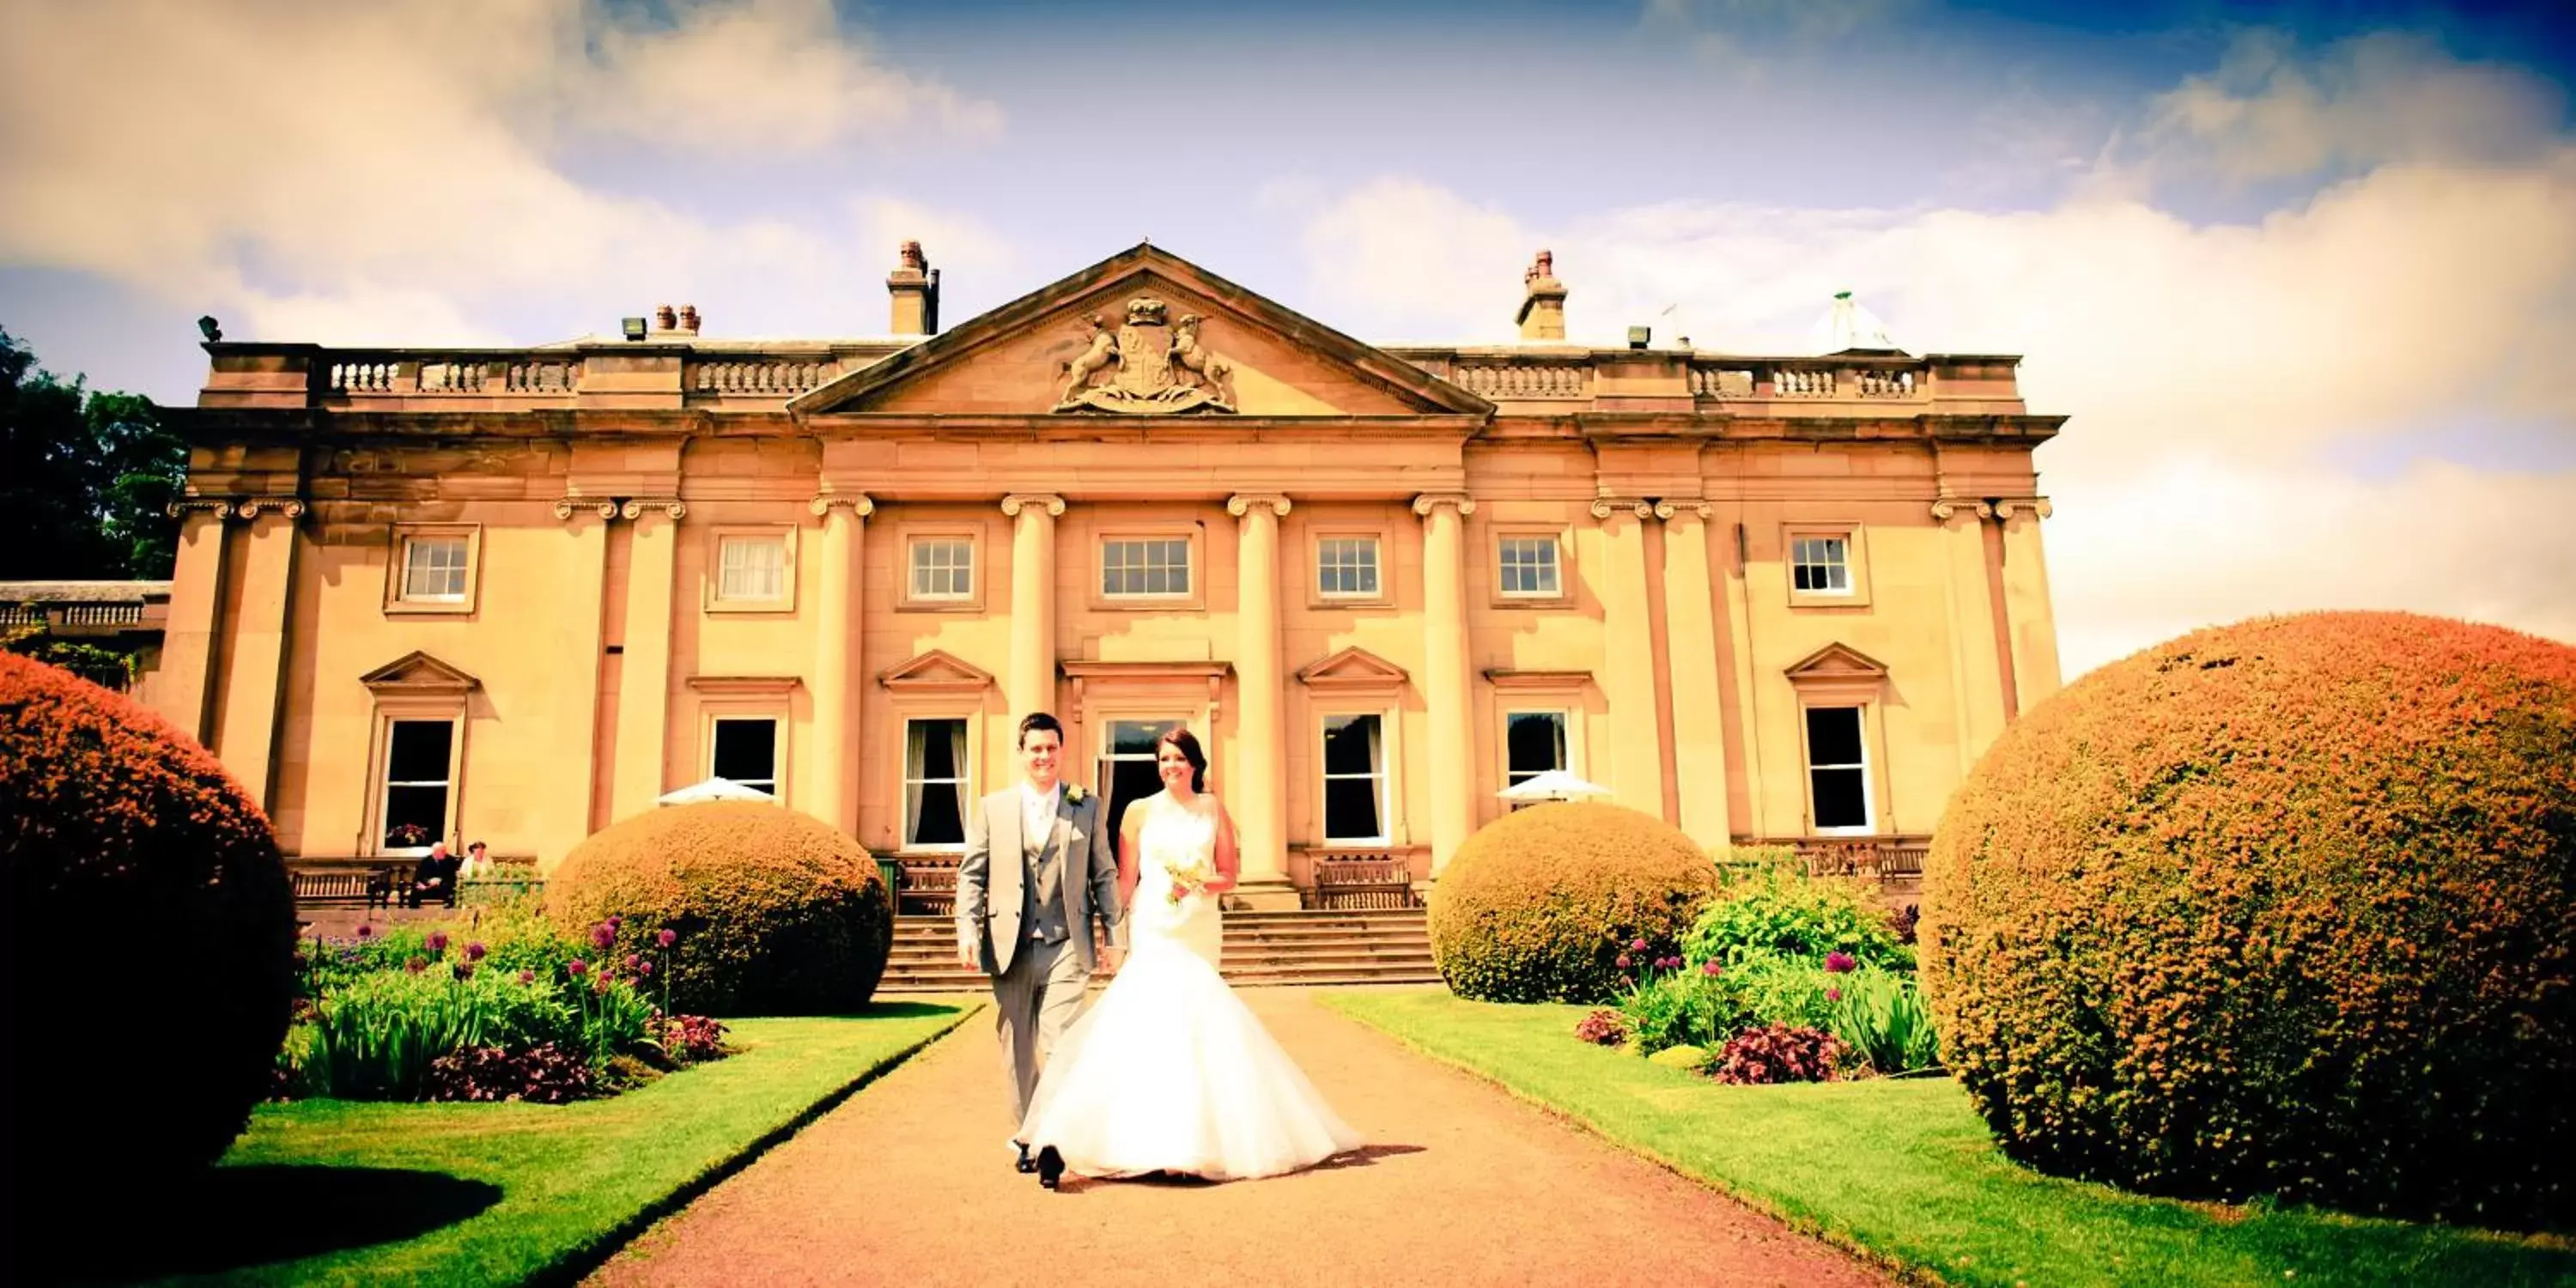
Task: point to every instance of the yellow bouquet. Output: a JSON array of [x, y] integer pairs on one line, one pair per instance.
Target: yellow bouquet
[[1187, 878]]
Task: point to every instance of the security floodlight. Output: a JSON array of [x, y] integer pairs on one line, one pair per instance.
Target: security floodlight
[[207, 328], [633, 327], [1639, 335]]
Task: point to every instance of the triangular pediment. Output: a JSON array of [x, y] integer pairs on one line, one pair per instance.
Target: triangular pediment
[[1246, 356], [1837, 662], [418, 672], [937, 671], [1352, 668]]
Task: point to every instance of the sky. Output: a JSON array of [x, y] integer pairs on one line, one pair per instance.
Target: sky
[[2303, 275]]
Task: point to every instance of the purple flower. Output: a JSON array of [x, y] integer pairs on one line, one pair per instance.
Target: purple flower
[[1623, 961], [474, 951], [1669, 963], [616, 921], [366, 931], [599, 985], [1710, 968], [462, 970], [644, 968], [527, 977], [438, 941], [416, 965], [576, 968], [633, 961], [667, 938], [1833, 995], [1840, 963], [1637, 947], [603, 936]]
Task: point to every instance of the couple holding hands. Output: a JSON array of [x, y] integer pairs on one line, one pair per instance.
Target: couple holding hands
[[1167, 1071]]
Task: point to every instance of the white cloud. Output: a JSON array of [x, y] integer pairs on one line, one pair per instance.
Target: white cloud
[[2215, 375], [364, 173]]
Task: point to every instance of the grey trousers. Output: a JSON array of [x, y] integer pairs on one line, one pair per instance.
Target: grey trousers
[[1033, 1001]]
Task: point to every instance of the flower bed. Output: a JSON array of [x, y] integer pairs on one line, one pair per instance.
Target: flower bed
[[501, 1008], [1783, 978]]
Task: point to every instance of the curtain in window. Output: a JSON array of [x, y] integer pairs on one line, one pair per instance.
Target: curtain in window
[[916, 740], [957, 758]]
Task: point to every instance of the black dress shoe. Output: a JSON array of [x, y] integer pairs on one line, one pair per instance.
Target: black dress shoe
[[1025, 1164], [1050, 1167]]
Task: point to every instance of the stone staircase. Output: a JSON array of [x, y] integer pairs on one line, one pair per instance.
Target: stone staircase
[[1293, 946]]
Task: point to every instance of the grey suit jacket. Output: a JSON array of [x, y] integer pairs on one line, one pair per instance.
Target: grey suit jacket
[[990, 881]]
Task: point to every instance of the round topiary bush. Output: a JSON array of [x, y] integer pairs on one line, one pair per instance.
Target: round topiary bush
[[775, 913], [151, 940], [1541, 905], [2278, 908]]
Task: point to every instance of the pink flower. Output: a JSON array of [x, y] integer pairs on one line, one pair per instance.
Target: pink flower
[[438, 941], [644, 968], [617, 921], [667, 938], [1623, 961], [576, 968], [603, 936], [1833, 995], [633, 961], [366, 932], [474, 951], [1840, 963], [1637, 947], [599, 985], [527, 977], [1710, 968]]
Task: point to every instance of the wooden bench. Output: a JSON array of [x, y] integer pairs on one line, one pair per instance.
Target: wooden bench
[[332, 882], [1349, 881]]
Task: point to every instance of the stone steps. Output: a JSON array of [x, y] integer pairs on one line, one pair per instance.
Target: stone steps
[[1277, 947]]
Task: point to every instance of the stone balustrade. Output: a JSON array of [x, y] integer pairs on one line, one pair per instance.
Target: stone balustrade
[[758, 376], [1816, 379], [1512, 381], [440, 375]]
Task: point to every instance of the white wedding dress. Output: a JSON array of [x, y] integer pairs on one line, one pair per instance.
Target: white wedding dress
[[1168, 1071]]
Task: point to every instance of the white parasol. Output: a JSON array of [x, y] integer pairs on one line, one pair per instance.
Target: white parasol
[[714, 789], [1552, 785]]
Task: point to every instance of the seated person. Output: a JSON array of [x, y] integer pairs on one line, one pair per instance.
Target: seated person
[[478, 861], [435, 878]]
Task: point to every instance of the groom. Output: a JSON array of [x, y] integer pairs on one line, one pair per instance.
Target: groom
[[1039, 860]]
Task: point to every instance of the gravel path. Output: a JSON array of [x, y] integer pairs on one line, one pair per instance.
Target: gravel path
[[910, 1183]]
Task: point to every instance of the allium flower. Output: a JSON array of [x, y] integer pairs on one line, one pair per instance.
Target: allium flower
[[1840, 963], [438, 941], [599, 985], [1833, 995], [576, 968], [644, 968], [1637, 947], [1623, 961], [616, 921], [474, 951], [1669, 963], [416, 965], [633, 961], [462, 970], [667, 938], [527, 977], [366, 931], [603, 936]]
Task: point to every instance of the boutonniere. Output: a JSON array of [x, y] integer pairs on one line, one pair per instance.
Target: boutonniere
[[1073, 794]]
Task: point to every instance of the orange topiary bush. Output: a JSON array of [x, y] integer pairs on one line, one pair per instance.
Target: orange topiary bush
[[151, 940], [1541, 905], [2287, 908], [775, 913]]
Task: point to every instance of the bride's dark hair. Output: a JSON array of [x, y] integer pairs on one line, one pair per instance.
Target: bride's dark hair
[[1188, 744]]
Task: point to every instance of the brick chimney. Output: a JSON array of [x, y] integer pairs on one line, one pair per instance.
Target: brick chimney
[[914, 284], [1542, 314]]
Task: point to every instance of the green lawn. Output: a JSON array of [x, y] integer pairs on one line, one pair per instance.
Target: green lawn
[[327, 1191], [1905, 1172]]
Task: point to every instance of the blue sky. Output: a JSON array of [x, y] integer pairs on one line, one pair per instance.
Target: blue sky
[[2303, 274]]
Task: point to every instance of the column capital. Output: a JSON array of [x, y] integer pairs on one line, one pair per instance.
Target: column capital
[[636, 507], [1609, 507], [236, 507], [1241, 503], [859, 504], [1429, 501], [568, 506], [1949, 506], [1018, 501], [2036, 506], [1669, 511]]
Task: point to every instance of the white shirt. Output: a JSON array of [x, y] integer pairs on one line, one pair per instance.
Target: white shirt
[[1037, 812]]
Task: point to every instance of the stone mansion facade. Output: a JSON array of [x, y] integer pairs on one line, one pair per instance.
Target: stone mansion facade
[[514, 596]]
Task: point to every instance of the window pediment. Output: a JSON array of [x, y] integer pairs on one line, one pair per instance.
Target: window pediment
[[1537, 681], [1838, 671], [937, 671], [417, 674], [744, 685], [1354, 669]]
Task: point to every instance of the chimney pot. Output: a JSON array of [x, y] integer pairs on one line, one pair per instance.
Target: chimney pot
[[1542, 315], [914, 288], [688, 319], [663, 318]]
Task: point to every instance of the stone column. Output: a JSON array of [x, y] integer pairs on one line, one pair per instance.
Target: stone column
[[186, 685], [1976, 680], [1628, 657], [255, 656], [831, 792], [1030, 685], [1444, 671], [579, 597], [1699, 718], [644, 687], [1257, 798], [2026, 601]]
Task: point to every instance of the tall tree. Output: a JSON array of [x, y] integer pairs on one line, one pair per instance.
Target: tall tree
[[84, 477]]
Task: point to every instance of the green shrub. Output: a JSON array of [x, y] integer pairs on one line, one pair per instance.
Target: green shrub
[[776, 914], [2278, 908], [1683, 1007], [1540, 905], [1881, 1016], [1689, 1058], [375, 1037], [1780, 913], [1777, 992], [151, 940]]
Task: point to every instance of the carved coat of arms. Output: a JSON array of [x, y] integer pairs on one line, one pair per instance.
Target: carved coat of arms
[[1156, 366]]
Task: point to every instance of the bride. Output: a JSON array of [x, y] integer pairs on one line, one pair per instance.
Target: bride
[[1168, 1071]]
